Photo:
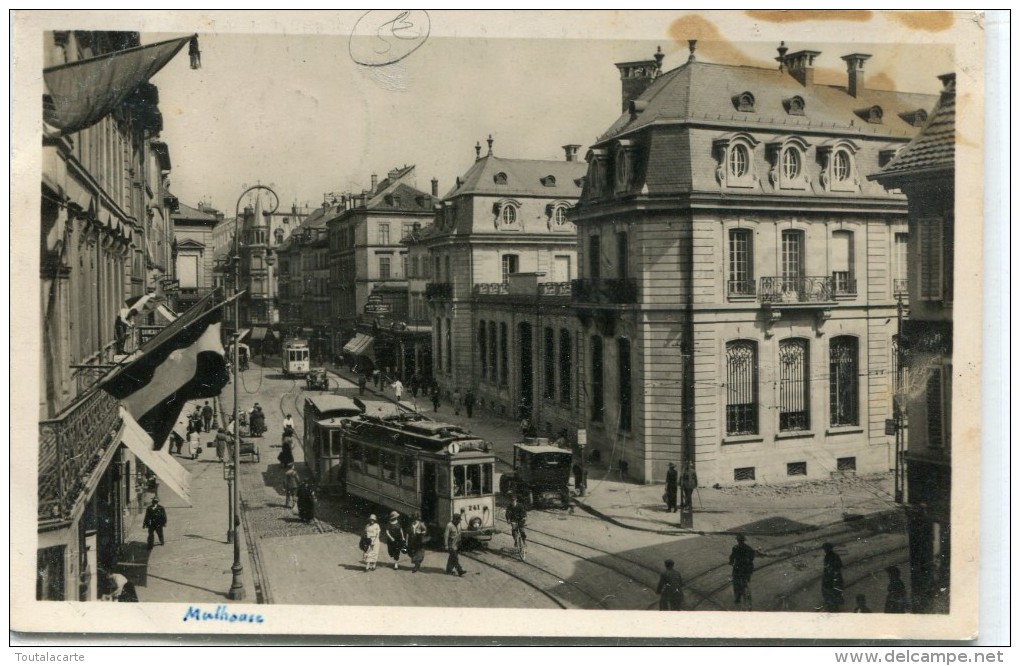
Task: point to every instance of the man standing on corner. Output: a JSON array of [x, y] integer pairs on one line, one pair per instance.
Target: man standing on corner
[[742, 561], [451, 537], [688, 483], [155, 521], [672, 482]]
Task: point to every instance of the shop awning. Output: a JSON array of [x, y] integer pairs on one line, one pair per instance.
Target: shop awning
[[166, 313], [244, 333], [354, 342], [364, 348], [167, 470], [258, 334]]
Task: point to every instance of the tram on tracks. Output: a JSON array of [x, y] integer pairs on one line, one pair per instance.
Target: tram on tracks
[[295, 358], [406, 462]]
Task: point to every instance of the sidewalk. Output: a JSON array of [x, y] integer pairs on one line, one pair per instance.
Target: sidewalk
[[758, 510], [194, 565]]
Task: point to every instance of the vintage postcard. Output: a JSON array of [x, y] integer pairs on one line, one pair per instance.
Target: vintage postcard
[[520, 324]]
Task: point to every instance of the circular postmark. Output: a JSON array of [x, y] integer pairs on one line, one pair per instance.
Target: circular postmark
[[383, 37]]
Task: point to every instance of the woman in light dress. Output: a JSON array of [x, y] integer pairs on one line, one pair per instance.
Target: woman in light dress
[[372, 534]]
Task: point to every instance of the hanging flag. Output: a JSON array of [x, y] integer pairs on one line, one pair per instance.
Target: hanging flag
[[184, 361], [81, 93]]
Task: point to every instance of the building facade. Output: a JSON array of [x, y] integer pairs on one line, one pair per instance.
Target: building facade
[[303, 284], [193, 249], [368, 264], [105, 237], [925, 172], [739, 278], [503, 252]]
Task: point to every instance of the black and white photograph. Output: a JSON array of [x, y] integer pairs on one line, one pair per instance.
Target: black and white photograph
[[509, 324]]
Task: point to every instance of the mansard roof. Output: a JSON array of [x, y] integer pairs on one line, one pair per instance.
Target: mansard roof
[[500, 176]]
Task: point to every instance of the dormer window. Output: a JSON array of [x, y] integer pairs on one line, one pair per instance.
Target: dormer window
[[744, 102], [557, 213], [506, 214], [915, 118], [623, 169], [596, 172], [499, 178], [839, 170], [787, 156], [794, 105], [549, 181], [735, 160], [871, 114]]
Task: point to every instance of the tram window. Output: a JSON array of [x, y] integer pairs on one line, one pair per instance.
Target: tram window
[[458, 481], [371, 461], [407, 471], [337, 443], [356, 462], [474, 480], [487, 479], [304, 354], [443, 481], [389, 466]]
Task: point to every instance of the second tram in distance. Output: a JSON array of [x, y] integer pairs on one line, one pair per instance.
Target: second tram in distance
[[402, 461], [294, 359]]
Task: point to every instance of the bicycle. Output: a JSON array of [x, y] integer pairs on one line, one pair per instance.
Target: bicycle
[[520, 540]]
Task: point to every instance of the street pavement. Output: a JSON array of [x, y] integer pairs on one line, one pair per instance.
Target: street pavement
[[195, 564], [615, 536]]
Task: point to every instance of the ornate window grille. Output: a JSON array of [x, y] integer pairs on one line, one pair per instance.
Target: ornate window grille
[[843, 381], [741, 387], [794, 382]]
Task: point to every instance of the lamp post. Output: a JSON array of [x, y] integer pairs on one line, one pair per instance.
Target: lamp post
[[236, 592]]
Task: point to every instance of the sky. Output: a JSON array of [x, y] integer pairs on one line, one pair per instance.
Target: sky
[[297, 112]]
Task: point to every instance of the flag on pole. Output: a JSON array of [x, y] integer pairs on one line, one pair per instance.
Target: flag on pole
[[81, 93], [185, 361]]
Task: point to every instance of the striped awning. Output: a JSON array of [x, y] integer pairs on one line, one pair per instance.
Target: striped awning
[[354, 342], [361, 345]]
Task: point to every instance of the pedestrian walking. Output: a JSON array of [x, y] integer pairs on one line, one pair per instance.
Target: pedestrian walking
[[451, 539], [362, 382], [742, 561], [207, 414], [469, 402], [832, 580], [286, 456], [375, 378], [306, 502], [396, 540], [398, 389], [688, 483], [862, 605], [416, 539], [670, 588], [435, 399], [194, 445], [896, 592], [155, 521], [288, 424], [672, 483], [370, 543], [456, 401], [291, 483], [413, 385]]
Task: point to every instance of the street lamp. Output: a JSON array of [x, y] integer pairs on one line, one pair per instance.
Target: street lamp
[[236, 592]]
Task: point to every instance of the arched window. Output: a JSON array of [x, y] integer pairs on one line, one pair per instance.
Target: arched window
[[791, 163], [559, 216], [739, 161], [622, 169], [742, 387], [794, 380], [843, 381], [841, 166], [508, 215]]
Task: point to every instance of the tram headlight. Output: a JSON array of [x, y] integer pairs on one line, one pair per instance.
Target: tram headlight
[[475, 523]]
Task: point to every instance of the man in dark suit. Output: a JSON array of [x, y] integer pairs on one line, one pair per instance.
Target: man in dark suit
[[670, 588], [155, 521], [207, 414]]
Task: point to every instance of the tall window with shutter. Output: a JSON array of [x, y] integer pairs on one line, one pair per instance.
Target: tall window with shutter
[[843, 263], [549, 356], [741, 274], [597, 386], [482, 348], [930, 259], [565, 366], [492, 352]]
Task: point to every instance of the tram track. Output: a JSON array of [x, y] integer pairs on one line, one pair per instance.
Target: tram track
[[485, 559]]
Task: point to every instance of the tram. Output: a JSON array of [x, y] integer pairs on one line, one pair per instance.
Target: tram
[[406, 462], [321, 440], [294, 359]]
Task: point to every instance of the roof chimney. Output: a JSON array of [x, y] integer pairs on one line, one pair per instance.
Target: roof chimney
[[435, 187], [691, 44], [375, 182], [855, 72], [801, 66], [636, 76], [571, 151]]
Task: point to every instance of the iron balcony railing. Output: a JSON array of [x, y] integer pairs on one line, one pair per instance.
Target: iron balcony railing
[[818, 289], [439, 290], [70, 447], [554, 289], [617, 291], [491, 288], [740, 288]]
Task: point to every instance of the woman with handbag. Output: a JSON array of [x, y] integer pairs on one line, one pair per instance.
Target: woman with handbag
[[395, 540], [416, 542]]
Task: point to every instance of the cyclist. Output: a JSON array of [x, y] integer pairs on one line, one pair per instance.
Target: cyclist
[[517, 516]]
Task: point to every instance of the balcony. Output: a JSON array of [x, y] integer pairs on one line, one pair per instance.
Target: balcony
[[554, 289], [798, 290], [620, 291], [70, 447], [439, 290], [490, 289]]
